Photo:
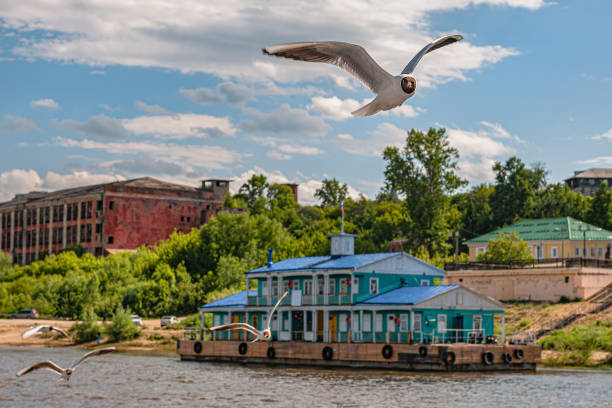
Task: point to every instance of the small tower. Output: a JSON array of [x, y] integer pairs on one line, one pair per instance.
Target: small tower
[[342, 244]]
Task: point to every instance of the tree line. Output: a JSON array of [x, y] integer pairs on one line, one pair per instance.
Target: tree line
[[423, 200]]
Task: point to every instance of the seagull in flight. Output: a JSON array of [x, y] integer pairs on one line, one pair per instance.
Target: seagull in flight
[[43, 328], [391, 91], [265, 335], [65, 373]]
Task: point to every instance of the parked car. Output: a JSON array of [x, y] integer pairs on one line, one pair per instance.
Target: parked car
[[136, 320], [168, 320], [25, 314]]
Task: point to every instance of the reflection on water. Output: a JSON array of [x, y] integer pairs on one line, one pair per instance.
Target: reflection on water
[[129, 380]]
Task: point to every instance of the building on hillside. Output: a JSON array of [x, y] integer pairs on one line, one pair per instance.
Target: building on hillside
[[552, 238], [105, 218], [572, 260], [588, 181], [369, 298]]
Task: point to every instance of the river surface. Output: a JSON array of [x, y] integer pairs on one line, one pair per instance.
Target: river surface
[[132, 380]]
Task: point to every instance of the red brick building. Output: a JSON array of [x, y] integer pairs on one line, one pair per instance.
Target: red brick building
[[104, 218]]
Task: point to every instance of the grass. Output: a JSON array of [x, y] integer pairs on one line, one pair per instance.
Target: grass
[[155, 337], [596, 336]]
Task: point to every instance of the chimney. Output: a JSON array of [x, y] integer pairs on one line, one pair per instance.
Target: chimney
[[270, 250], [342, 244], [294, 188]]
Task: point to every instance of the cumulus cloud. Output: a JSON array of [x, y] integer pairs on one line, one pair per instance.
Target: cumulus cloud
[[146, 165], [497, 130], [600, 160], [152, 109], [180, 126], [276, 155], [225, 92], [604, 136], [385, 134], [334, 108], [44, 103], [98, 127], [285, 121], [17, 124], [18, 181], [169, 35]]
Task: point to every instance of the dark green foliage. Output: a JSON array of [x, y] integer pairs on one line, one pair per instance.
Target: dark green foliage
[[86, 329], [600, 213], [121, 327], [597, 336], [331, 193]]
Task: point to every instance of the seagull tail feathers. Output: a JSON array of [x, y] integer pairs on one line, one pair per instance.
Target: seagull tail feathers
[[368, 110]]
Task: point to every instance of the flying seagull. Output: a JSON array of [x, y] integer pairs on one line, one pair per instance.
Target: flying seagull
[[391, 91], [265, 335], [64, 372], [43, 328]]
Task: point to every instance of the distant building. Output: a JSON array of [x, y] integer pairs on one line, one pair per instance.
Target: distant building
[[588, 181], [105, 218]]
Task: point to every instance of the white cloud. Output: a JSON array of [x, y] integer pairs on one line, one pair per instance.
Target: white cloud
[[334, 108], [97, 127], [201, 156], [225, 92], [498, 131], [44, 103], [180, 126], [156, 33], [407, 111], [600, 160], [276, 155], [385, 134], [18, 181], [17, 124], [285, 121], [604, 136], [152, 109], [305, 150]]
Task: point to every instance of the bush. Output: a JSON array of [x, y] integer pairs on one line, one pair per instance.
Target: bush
[[572, 358], [121, 327], [592, 337], [87, 329], [156, 336]]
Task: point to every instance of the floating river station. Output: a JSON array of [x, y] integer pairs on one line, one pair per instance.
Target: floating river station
[[381, 310]]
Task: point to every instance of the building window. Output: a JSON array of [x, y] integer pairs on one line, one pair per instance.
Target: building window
[[477, 323], [321, 285], [296, 285], [584, 252], [441, 323], [343, 285], [480, 250], [424, 282], [403, 322], [378, 322], [308, 287], [592, 252], [355, 285], [111, 205], [554, 252], [373, 286], [367, 323], [274, 287], [567, 279], [577, 252], [332, 286], [416, 325], [111, 239], [264, 288], [600, 252]]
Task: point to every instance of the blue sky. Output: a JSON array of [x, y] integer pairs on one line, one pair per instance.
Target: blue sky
[[181, 91]]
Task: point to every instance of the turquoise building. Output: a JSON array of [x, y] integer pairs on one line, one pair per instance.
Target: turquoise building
[[376, 298]]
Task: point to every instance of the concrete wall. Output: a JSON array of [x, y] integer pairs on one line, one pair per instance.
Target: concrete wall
[[564, 249], [546, 284]]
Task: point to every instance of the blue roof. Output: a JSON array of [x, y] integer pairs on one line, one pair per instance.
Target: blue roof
[[236, 300], [408, 295], [333, 262]]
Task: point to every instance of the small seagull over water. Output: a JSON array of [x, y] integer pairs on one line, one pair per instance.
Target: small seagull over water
[[265, 335], [64, 372], [391, 91], [43, 328]]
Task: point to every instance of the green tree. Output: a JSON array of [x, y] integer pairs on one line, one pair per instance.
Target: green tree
[[424, 173], [253, 190], [475, 209], [507, 249], [515, 190], [558, 200], [600, 213], [331, 193], [122, 327], [87, 328]]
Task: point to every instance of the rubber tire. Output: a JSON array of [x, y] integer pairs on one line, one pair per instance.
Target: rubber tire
[[327, 353], [242, 348], [487, 358], [507, 357], [197, 347], [519, 354], [387, 351], [449, 358], [178, 344], [423, 351], [271, 352]]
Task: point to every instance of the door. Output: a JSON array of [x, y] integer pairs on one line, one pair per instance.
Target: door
[[459, 327], [320, 325], [236, 333], [333, 331], [254, 323]]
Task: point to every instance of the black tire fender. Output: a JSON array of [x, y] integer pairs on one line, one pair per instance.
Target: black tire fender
[[327, 353], [423, 351], [197, 347], [449, 358], [387, 351], [242, 348], [271, 352], [507, 357], [487, 358], [519, 354]]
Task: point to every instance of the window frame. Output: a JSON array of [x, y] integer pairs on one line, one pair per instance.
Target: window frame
[[376, 281]]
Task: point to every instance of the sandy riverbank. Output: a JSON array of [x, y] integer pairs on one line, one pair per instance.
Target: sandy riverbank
[[153, 337]]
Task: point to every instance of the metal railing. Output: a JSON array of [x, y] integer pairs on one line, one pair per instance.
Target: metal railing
[[534, 263]]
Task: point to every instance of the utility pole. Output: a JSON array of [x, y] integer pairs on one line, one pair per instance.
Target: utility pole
[[457, 244]]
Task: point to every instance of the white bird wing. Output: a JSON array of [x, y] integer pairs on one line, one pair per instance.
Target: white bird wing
[[35, 330], [350, 57], [439, 43], [60, 331], [49, 365], [274, 308], [92, 354], [237, 326]]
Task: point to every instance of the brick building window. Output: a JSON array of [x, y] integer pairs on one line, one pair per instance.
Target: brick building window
[[111, 239], [98, 228], [111, 205]]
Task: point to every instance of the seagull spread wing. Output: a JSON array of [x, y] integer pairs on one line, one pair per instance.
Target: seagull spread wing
[[92, 354], [34, 330], [350, 57], [237, 326], [49, 365], [274, 308], [439, 43], [60, 331]]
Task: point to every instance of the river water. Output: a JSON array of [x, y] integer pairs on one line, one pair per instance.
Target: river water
[[131, 380]]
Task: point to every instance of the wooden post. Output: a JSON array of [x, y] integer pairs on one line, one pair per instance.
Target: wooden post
[[388, 337], [350, 333]]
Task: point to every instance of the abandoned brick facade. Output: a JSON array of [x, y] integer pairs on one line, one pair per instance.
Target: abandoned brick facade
[[105, 218]]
